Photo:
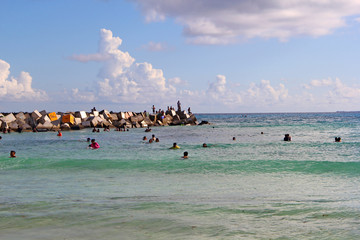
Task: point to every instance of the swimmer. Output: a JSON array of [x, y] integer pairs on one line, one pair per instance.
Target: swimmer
[[144, 138], [94, 145], [151, 140], [12, 154], [94, 129], [337, 139], [186, 155], [88, 139], [234, 138], [157, 140], [204, 145], [175, 146], [59, 134], [287, 138], [262, 132], [153, 137], [0, 137]]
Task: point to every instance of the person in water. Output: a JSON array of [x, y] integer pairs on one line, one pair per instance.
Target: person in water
[[151, 140], [157, 140], [204, 145], [153, 137], [144, 138], [175, 146], [88, 139], [59, 134], [12, 154], [186, 155], [234, 138], [337, 139], [94, 145]]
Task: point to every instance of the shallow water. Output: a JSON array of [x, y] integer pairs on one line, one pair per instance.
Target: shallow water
[[257, 187]]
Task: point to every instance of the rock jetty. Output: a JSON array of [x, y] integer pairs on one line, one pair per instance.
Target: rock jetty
[[53, 121]]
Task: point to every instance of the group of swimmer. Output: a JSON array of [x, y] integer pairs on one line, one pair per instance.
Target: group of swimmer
[[152, 139], [94, 145]]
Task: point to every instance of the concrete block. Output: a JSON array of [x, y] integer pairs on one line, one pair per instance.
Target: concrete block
[[95, 113], [116, 123], [20, 116], [68, 118], [52, 116], [131, 114], [86, 124], [31, 121], [106, 123], [81, 114], [13, 125], [140, 117], [77, 121], [43, 113], [114, 117], [44, 119], [65, 126], [148, 121], [23, 124], [45, 125], [36, 115], [8, 118], [143, 124], [56, 123], [121, 115], [122, 122], [134, 119]]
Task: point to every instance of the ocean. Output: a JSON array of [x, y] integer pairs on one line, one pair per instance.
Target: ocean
[[256, 187]]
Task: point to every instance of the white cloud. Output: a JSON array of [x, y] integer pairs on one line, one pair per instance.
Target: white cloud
[[177, 81], [18, 89], [221, 22], [265, 93], [219, 92], [123, 79], [156, 46]]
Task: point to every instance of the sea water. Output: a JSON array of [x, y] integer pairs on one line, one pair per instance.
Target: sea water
[[256, 187]]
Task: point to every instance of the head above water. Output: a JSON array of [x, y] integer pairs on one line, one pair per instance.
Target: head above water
[[12, 154]]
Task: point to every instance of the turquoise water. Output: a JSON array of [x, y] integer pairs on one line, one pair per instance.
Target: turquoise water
[[257, 187]]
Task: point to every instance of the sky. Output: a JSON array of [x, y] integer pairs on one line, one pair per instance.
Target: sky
[[232, 56]]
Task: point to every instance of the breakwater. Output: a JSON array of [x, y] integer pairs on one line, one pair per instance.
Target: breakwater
[[53, 121]]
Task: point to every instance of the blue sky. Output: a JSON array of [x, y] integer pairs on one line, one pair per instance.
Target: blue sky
[[215, 56]]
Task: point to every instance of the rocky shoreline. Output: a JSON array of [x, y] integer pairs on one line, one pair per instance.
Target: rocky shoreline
[[53, 121]]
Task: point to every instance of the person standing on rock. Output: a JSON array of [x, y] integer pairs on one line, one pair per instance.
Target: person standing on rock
[[179, 105]]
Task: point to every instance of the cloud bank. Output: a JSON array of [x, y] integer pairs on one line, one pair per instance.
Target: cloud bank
[[18, 89], [122, 78], [223, 22], [125, 81]]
